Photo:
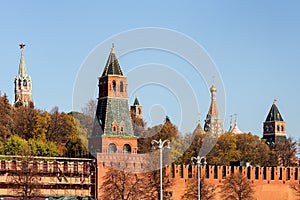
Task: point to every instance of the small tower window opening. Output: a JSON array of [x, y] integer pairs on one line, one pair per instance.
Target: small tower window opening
[[114, 86], [114, 127], [126, 148], [112, 148], [121, 86], [278, 128], [139, 111], [24, 83], [122, 127], [282, 128]]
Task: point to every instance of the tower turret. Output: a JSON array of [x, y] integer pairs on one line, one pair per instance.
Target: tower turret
[[112, 132]]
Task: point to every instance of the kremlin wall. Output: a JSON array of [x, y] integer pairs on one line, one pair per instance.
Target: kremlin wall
[[113, 139]]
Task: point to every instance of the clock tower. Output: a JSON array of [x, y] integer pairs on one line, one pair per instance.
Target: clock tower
[[23, 84]]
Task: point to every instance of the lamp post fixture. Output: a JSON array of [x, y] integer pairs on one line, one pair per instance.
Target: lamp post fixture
[[198, 160], [160, 145]]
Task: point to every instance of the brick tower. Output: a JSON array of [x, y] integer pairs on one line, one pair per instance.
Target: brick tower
[[274, 127], [137, 109], [23, 84], [213, 122], [112, 132]]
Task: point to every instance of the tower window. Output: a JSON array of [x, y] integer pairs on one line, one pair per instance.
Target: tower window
[[278, 128], [121, 126], [112, 148], [139, 111], [282, 128], [114, 86], [114, 126], [24, 83], [121, 86], [126, 148]]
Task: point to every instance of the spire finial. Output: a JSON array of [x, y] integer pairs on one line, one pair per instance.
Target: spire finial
[[275, 100], [22, 45], [113, 47], [235, 119], [199, 120]]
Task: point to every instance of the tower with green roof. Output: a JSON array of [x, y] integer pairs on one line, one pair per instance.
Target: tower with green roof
[[112, 132], [274, 127]]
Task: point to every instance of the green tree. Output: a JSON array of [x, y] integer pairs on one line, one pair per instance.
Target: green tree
[[6, 118], [15, 145], [237, 187], [42, 148], [75, 148]]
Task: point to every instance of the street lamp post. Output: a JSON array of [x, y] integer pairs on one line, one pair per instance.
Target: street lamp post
[[198, 160], [160, 145]]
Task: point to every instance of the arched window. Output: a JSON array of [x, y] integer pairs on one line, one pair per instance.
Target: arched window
[[139, 111], [278, 128], [112, 148], [121, 86], [114, 86], [24, 83], [282, 128], [126, 148]]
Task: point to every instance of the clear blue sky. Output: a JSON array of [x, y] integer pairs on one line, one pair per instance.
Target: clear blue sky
[[254, 44]]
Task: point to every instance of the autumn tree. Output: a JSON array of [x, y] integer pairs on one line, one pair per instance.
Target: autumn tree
[[30, 123], [237, 187], [285, 152], [194, 142], [224, 151], [164, 131], [252, 149], [207, 191], [124, 185], [24, 179]]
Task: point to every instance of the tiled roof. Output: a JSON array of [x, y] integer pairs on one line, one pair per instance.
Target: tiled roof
[[274, 114], [112, 66], [136, 102], [111, 111]]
